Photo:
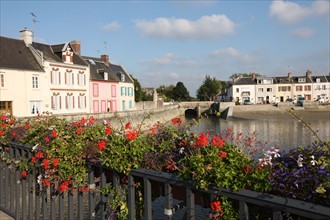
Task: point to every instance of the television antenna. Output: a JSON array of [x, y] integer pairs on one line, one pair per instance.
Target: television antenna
[[33, 20], [105, 46]]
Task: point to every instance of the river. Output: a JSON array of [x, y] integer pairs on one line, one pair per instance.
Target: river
[[279, 130]]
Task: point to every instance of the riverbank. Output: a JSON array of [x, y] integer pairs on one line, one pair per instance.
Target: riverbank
[[266, 112]]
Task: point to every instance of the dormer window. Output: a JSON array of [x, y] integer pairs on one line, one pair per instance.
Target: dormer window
[[318, 80], [67, 55], [105, 76], [301, 80], [121, 76]]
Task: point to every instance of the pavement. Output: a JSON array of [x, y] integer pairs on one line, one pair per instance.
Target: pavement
[[4, 216]]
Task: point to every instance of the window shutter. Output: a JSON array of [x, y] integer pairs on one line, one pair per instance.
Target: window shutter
[[66, 76], [59, 78], [51, 77], [84, 80], [79, 101], [66, 102], [59, 98], [78, 75], [52, 104], [85, 103], [72, 78], [73, 101]]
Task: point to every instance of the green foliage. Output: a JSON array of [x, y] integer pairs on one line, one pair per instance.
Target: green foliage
[[209, 89], [180, 92]]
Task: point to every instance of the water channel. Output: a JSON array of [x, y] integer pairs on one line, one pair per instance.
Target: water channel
[[279, 130]]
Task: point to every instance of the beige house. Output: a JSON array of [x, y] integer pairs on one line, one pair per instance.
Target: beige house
[[67, 75], [23, 82]]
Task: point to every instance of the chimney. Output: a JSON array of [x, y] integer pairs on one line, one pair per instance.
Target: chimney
[[289, 74], [27, 36], [254, 75], [309, 73], [76, 46], [105, 59]]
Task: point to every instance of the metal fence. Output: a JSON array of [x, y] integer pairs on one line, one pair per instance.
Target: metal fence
[[24, 198]]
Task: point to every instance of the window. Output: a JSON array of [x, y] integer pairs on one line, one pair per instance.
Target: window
[[122, 77], [324, 87], [301, 80], [308, 88], [269, 89], [123, 105], [237, 89], [82, 101], [69, 101], [130, 104], [68, 78], [299, 88], [81, 78], [96, 106], [56, 102], [260, 89], [95, 89], [55, 77], [35, 107], [2, 80], [123, 91], [35, 82]]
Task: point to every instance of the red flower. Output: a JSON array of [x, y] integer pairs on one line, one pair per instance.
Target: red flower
[[2, 133], [13, 133], [55, 162], [218, 141], [202, 140], [223, 154], [46, 182], [45, 164], [54, 134], [4, 125], [91, 119], [24, 174], [153, 132], [108, 130], [216, 206], [64, 186], [128, 125], [80, 130], [247, 169], [11, 122], [260, 168], [27, 126], [33, 159], [102, 145], [47, 139], [132, 135], [40, 155], [176, 121]]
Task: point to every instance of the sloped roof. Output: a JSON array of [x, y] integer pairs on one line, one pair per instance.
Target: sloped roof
[[292, 79], [117, 68], [53, 53], [245, 81], [14, 54], [97, 67]]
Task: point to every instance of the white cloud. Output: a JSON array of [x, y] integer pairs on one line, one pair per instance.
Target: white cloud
[[113, 26], [169, 59], [206, 27], [303, 32], [226, 51], [289, 12]]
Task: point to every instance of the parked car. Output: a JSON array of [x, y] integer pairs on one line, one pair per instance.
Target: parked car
[[300, 100], [290, 100], [247, 102]]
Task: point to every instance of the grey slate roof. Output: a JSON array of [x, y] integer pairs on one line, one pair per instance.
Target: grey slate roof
[[14, 54], [245, 81], [97, 67], [53, 53], [117, 68]]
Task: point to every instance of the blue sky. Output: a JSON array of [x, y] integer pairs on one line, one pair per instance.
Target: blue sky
[[164, 42]]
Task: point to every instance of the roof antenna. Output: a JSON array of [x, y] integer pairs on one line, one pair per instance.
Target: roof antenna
[[33, 20], [105, 46]]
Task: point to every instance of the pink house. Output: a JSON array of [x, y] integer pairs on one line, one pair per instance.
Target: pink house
[[103, 85]]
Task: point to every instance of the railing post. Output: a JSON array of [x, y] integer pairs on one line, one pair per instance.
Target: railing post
[[11, 179], [17, 184], [103, 198], [91, 193], [168, 209], [31, 190], [70, 205], [80, 205], [243, 211], [61, 205], [131, 198], [147, 199], [190, 200], [277, 215], [52, 201]]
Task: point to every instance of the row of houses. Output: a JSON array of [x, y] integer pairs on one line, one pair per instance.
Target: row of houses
[[261, 89], [37, 78]]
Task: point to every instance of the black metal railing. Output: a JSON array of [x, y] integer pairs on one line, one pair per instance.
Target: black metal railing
[[24, 198]]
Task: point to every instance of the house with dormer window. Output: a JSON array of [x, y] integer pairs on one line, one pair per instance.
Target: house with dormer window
[[67, 75], [23, 82], [104, 85]]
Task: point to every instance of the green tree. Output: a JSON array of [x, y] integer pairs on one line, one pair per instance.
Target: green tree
[[180, 92], [138, 90], [166, 92], [209, 89]]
